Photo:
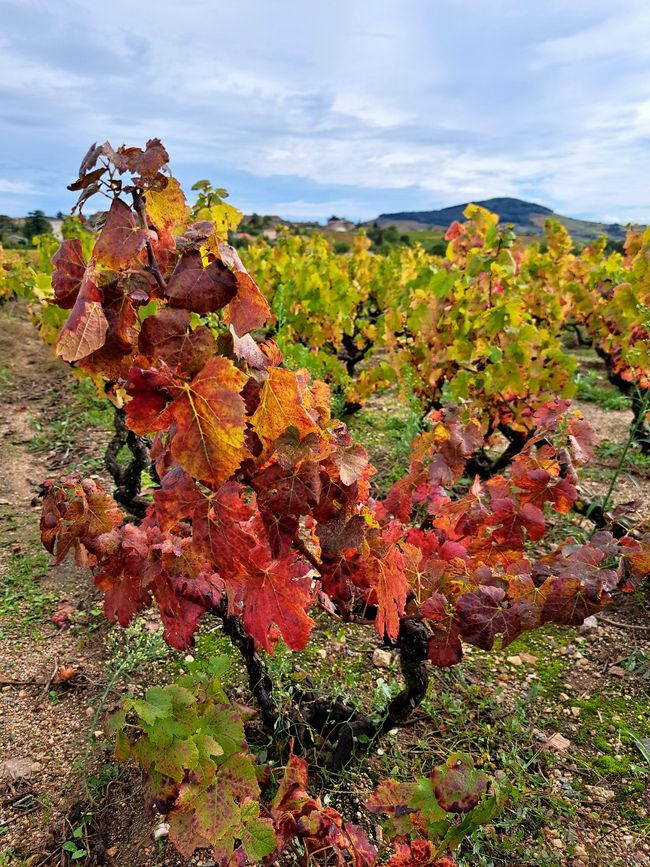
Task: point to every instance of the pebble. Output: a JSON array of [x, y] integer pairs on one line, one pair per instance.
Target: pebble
[[617, 671], [161, 831], [514, 660], [590, 624], [599, 793], [382, 658], [557, 742]]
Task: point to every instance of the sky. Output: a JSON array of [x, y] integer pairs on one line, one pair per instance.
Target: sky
[[350, 107]]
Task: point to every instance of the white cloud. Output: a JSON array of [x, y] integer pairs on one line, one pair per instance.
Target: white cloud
[[18, 188], [332, 106]]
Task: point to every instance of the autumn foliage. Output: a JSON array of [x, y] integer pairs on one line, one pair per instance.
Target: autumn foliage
[[264, 510]]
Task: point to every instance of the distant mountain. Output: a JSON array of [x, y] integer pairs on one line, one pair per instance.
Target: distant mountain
[[527, 218]]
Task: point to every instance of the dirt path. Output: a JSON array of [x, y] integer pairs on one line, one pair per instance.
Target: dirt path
[[633, 483], [50, 728]]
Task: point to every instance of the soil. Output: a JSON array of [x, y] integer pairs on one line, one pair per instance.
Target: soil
[[55, 764]]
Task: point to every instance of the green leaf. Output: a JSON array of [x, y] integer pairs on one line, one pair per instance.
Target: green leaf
[[424, 800], [642, 744], [156, 705]]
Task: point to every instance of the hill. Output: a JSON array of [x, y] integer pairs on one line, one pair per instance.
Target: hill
[[526, 217]]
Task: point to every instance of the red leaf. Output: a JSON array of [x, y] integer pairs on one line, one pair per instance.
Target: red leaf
[[283, 404], [203, 290], [150, 392], [444, 647], [61, 617], [121, 577], [69, 271], [148, 162], [277, 592], [76, 515], [85, 329], [166, 336], [210, 421], [249, 309], [583, 438], [386, 573], [120, 241], [482, 616], [457, 784]]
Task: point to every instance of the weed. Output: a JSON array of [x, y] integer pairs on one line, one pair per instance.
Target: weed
[[594, 388], [632, 456], [140, 644], [82, 411], [21, 592]]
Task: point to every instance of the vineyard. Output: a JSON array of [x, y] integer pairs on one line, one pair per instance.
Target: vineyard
[[321, 557]]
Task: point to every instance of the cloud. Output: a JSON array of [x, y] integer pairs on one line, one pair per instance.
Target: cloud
[[357, 106], [15, 188]]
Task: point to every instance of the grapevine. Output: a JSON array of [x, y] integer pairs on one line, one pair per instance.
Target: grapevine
[[263, 513]]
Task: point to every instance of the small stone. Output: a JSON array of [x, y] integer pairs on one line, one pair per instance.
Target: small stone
[[112, 851], [575, 711], [188, 658], [563, 696], [600, 793], [90, 712], [161, 831], [557, 843], [514, 660], [529, 658], [98, 734], [22, 693], [557, 742], [589, 624], [382, 658], [580, 851], [617, 671], [16, 769], [322, 653]]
